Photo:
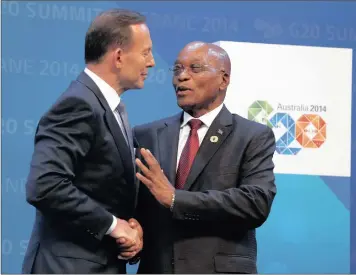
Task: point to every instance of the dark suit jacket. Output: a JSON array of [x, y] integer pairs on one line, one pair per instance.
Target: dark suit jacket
[[228, 194], [81, 173]]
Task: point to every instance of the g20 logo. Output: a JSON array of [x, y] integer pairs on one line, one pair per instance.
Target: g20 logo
[[308, 131]]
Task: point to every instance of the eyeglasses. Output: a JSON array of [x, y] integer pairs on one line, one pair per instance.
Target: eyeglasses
[[192, 69]]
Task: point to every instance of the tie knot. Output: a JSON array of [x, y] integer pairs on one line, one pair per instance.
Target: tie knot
[[195, 124]]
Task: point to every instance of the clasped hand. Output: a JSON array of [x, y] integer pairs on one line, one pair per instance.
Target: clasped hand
[[129, 237]]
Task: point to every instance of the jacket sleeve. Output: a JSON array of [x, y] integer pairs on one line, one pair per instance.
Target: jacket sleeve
[[63, 139], [248, 204]]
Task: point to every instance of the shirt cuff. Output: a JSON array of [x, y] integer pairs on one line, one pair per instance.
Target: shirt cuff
[[112, 227]]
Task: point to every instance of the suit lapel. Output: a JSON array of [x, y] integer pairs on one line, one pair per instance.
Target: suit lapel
[[111, 121], [168, 138], [137, 154], [214, 138], [128, 132], [120, 141]]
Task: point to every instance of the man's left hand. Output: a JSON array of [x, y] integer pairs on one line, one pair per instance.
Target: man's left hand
[[154, 178]]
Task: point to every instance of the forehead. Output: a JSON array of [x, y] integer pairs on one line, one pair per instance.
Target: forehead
[[200, 55], [141, 38]]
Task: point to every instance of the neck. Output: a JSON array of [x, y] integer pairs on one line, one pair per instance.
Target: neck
[[107, 75], [198, 111]]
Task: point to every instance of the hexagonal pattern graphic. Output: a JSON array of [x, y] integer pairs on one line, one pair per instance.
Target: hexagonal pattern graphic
[[259, 112], [283, 144], [310, 131]]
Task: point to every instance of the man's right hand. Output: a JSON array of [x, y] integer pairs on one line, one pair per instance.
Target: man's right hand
[[129, 237], [124, 230], [128, 251]]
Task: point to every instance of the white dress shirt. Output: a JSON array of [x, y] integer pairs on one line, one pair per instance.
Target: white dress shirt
[[113, 100], [207, 120]]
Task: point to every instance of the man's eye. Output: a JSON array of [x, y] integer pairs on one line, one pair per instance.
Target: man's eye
[[196, 68]]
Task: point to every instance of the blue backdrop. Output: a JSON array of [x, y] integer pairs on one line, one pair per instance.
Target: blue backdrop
[[42, 51]]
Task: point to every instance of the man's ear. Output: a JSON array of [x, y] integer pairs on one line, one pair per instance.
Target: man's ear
[[118, 56], [225, 81]]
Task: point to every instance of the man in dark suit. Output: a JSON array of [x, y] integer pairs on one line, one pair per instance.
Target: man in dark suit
[[82, 179], [207, 175]]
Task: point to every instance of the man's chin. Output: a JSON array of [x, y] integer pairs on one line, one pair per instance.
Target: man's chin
[[185, 105], [139, 86]]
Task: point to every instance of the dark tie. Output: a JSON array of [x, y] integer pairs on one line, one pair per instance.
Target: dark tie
[[121, 109], [188, 154]]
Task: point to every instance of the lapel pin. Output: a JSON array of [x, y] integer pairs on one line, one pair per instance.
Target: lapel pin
[[220, 131], [214, 139]]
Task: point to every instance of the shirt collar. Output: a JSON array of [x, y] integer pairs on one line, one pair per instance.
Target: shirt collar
[[207, 119], [109, 93]]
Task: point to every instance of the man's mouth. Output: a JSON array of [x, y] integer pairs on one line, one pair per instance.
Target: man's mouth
[[182, 89]]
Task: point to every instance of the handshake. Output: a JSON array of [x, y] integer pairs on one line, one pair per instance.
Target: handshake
[[129, 237]]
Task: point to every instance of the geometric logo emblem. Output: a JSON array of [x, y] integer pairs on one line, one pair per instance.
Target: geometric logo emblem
[[259, 112], [311, 131], [287, 137]]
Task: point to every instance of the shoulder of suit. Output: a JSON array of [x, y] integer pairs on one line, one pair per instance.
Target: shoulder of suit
[[76, 97], [249, 126], [156, 124], [78, 92]]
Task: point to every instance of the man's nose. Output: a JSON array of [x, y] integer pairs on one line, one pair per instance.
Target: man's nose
[[183, 75], [151, 63]]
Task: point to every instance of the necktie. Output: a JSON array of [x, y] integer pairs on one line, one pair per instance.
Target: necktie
[[121, 109], [188, 154]]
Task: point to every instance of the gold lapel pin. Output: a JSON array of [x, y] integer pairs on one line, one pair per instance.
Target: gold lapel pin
[[214, 139]]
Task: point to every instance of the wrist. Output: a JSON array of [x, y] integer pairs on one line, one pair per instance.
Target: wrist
[[114, 231], [112, 226]]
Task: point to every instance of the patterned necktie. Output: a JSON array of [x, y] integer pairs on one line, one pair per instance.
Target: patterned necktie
[[121, 109], [188, 154]]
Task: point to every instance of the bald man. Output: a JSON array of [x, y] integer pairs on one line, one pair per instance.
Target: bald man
[[206, 175]]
